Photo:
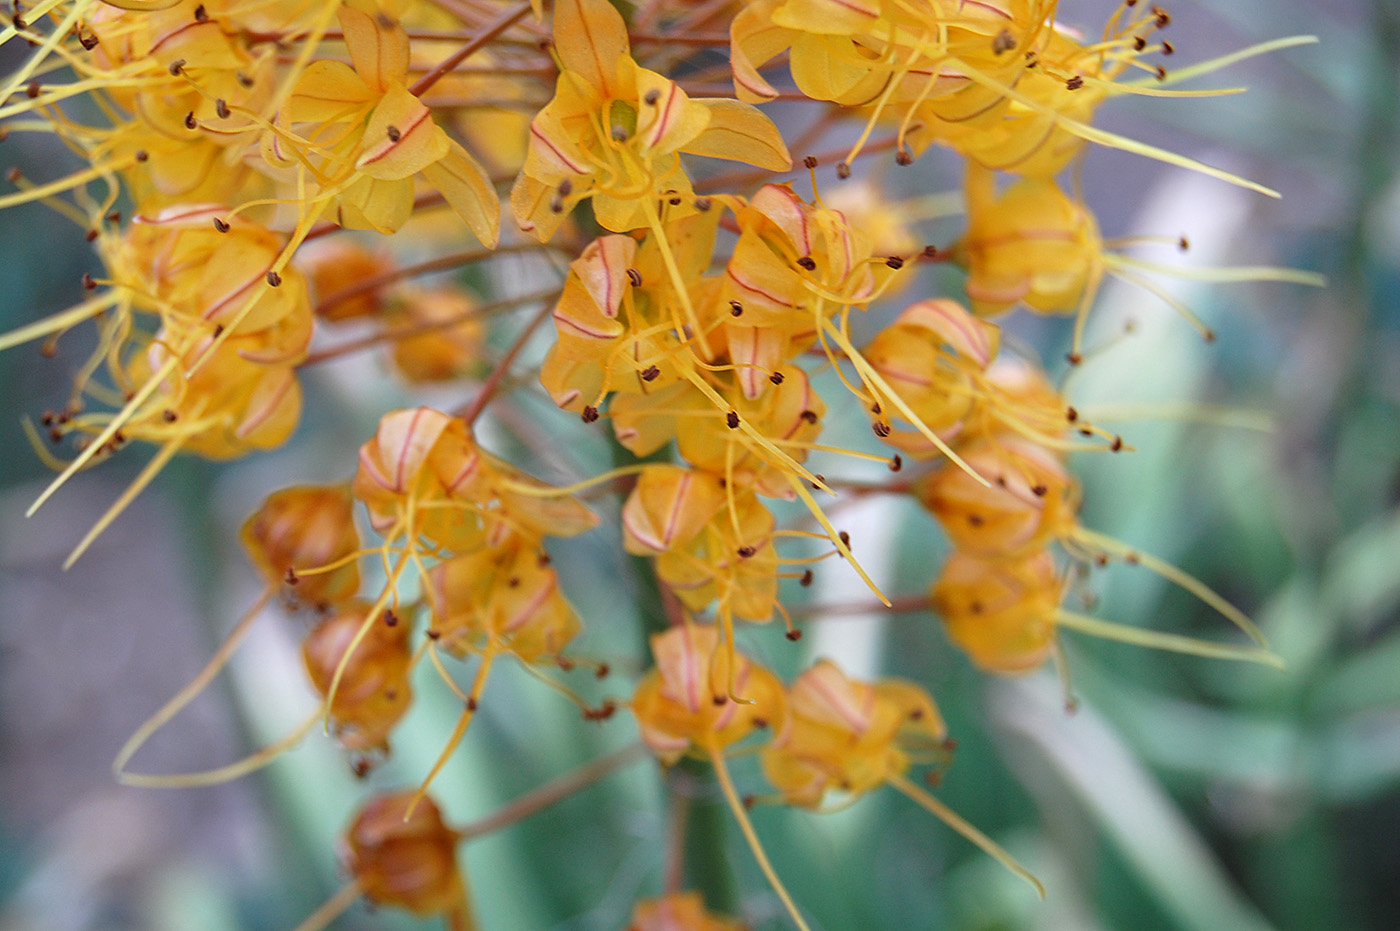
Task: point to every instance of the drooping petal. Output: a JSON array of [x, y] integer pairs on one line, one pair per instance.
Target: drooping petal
[[740, 132], [462, 180]]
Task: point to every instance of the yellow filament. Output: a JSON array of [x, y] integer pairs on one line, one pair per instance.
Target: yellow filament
[[958, 823]]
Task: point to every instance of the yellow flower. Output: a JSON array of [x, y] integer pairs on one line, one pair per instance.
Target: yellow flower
[[614, 131]]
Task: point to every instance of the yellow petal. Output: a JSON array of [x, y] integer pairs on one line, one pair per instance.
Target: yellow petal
[[753, 40], [462, 180], [401, 138], [378, 46], [829, 17], [590, 37], [326, 92], [373, 204], [740, 132]]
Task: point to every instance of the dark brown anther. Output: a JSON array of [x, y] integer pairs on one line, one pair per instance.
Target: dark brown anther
[[1071, 414], [20, 24], [1168, 48], [1164, 19], [650, 373], [556, 204], [903, 158], [1040, 491], [619, 134], [651, 97], [749, 802], [843, 170], [114, 217], [177, 66], [810, 162], [1075, 83], [806, 579], [201, 15], [736, 309], [930, 251], [48, 419], [169, 416], [361, 766], [1074, 358], [513, 582], [675, 201], [807, 262], [88, 283], [881, 429], [221, 108], [142, 155], [471, 703], [896, 463], [759, 723], [1003, 42], [876, 409], [433, 634], [1161, 73], [1208, 336], [602, 671], [1131, 558], [1139, 43], [390, 618], [543, 560], [635, 277], [88, 42], [895, 262], [14, 175], [243, 79], [1101, 560], [975, 607], [274, 280], [1117, 444], [55, 435], [190, 122], [776, 378], [794, 635], [291, 577], [48, 350], [916, 714], [1183, 243], [91, 235], [1001, 481], [564, 663], [566, 187], [809, 415], [393, 133], [33, 89], [590, 414], [746, 551], [732, 418], [220, 225], [845, 539], [718, 700], [1085, 431], [975, 520], [703, 204]]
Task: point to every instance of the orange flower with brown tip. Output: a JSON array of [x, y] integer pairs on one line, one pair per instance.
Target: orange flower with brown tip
[[402, 854], [1001, 613], [303, 528], [374, 692], [680, 911], [684, 703], [849, 736]]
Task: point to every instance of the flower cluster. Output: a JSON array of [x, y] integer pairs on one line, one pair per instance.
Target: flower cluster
[[285, 162]]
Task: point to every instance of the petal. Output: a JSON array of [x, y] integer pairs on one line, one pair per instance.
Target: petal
[[462, 180], [740, 132], [590, 37], [378, 46], [401, 138]]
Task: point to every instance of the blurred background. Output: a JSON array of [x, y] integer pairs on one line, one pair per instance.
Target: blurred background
[[1183, 794]]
